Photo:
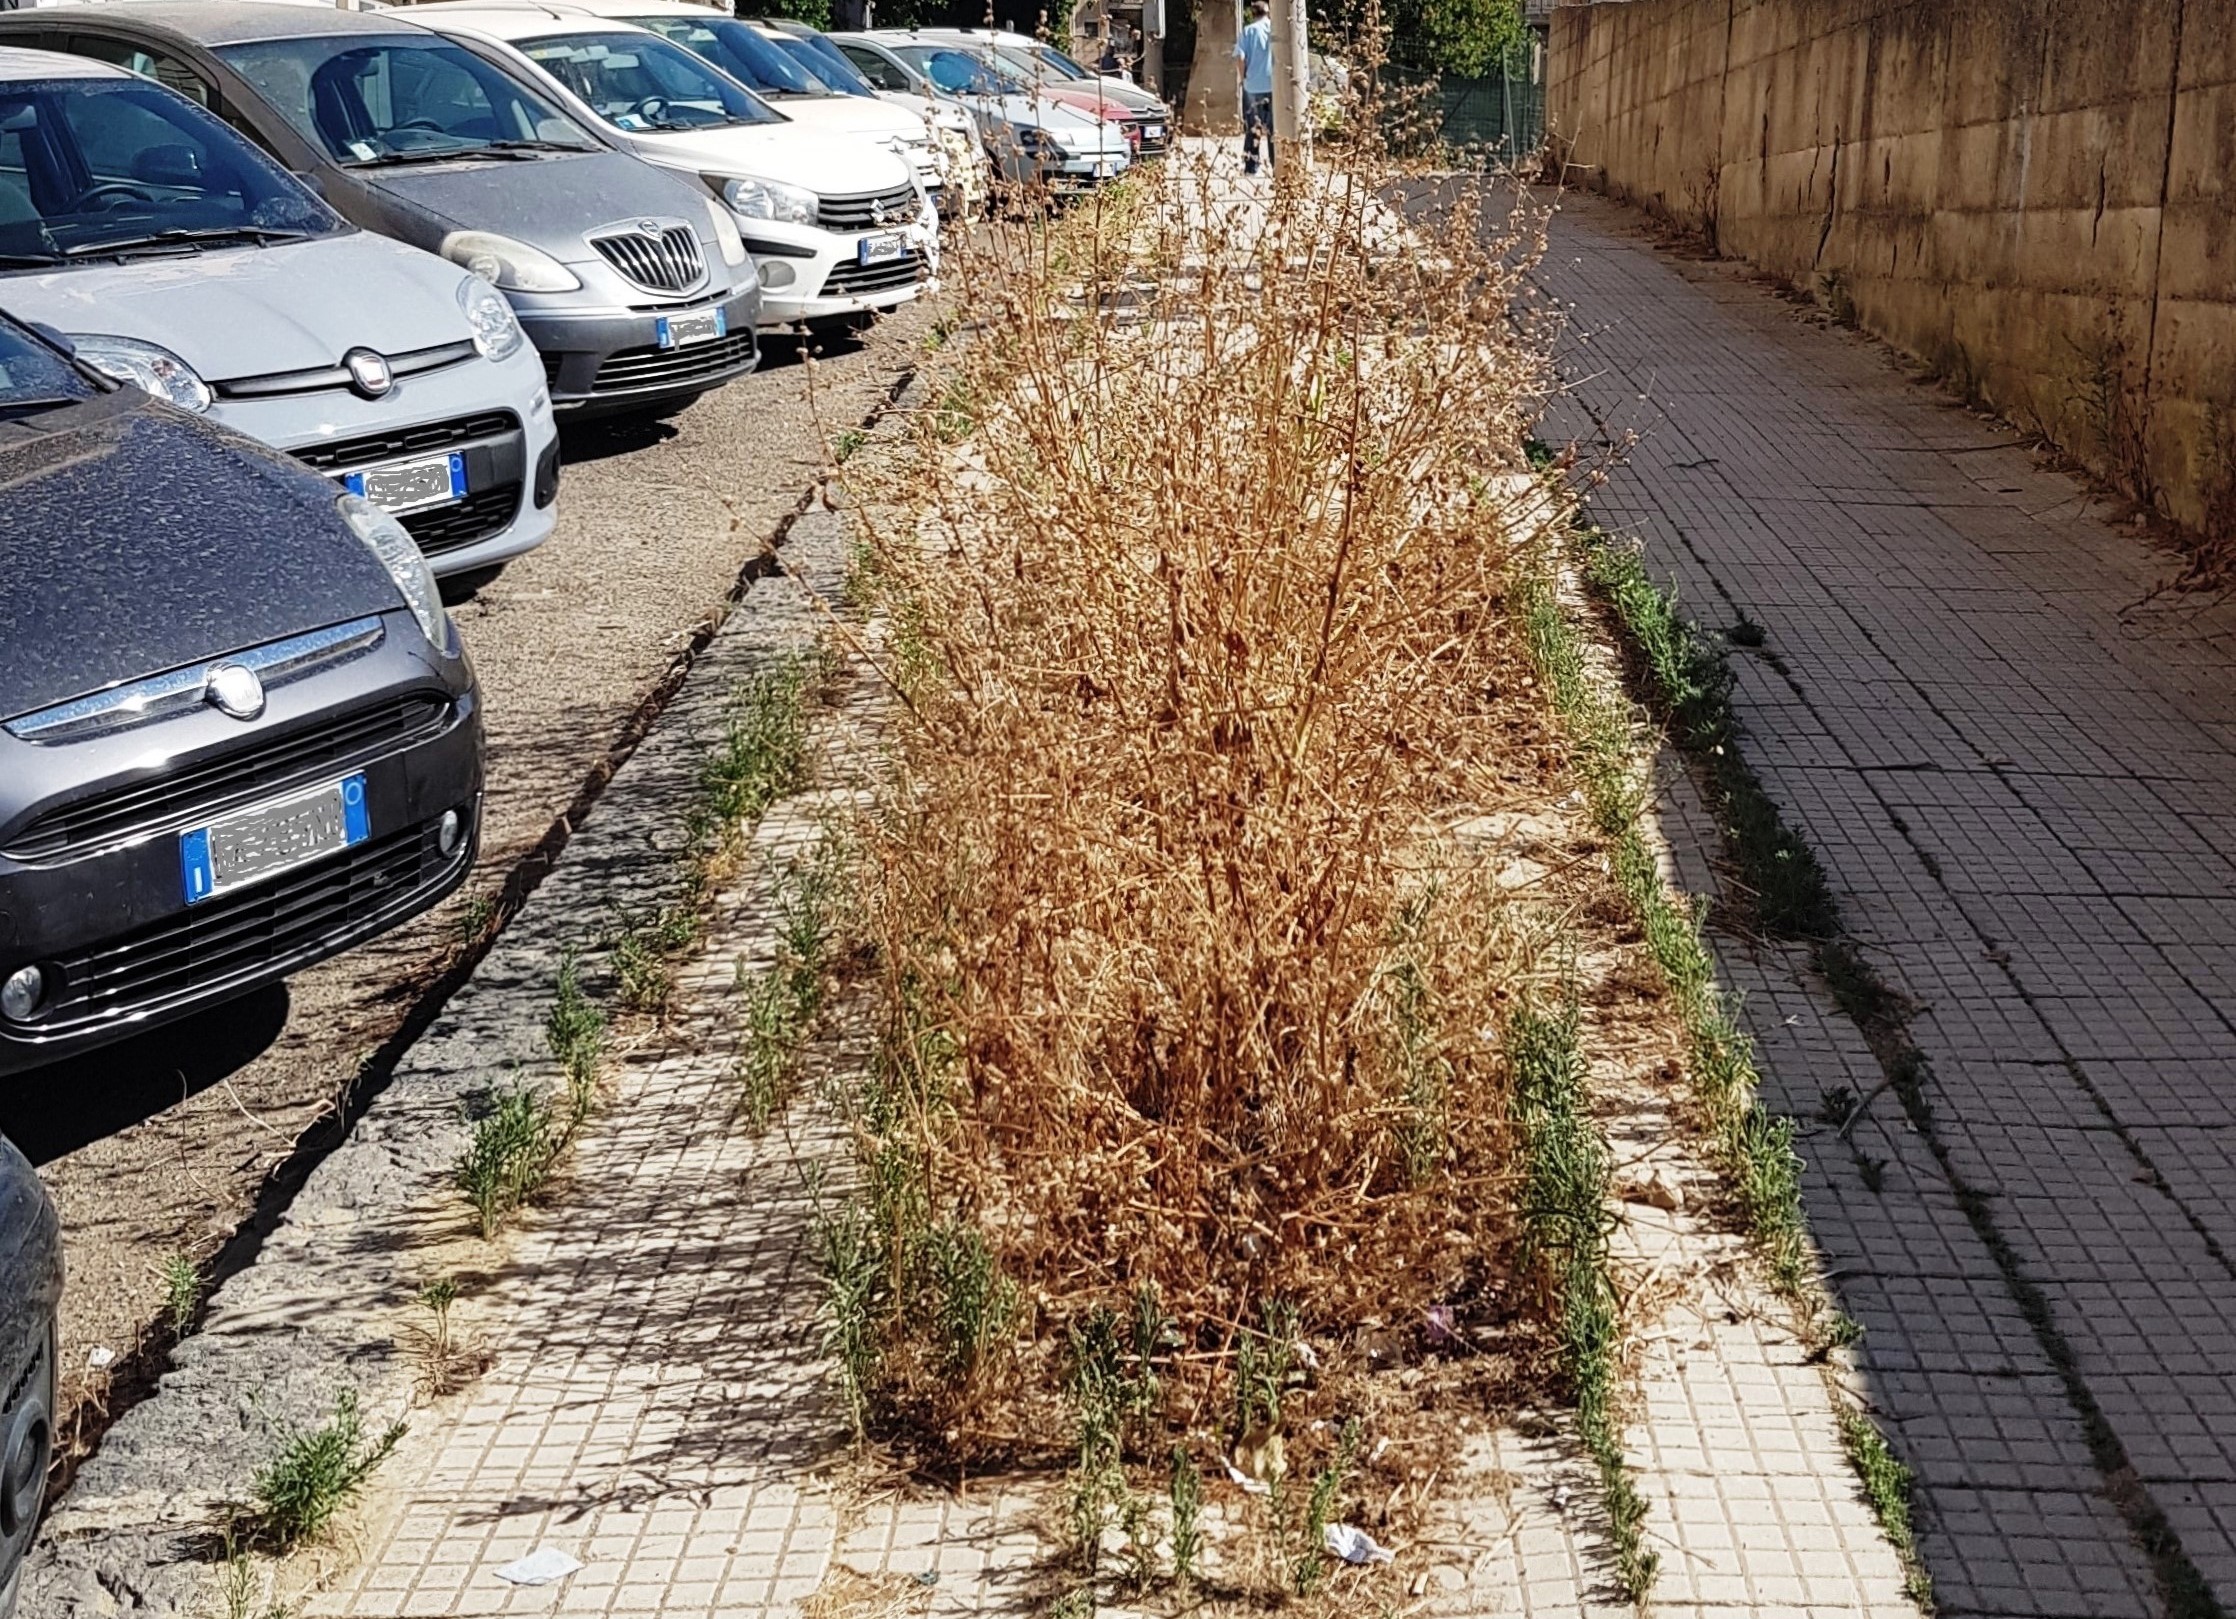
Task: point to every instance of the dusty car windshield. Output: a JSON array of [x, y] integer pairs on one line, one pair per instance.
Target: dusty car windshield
[[409, 99], [1056, 61], [33, 377], [640, 82], [740, 52], [93, 168], [823, 59]]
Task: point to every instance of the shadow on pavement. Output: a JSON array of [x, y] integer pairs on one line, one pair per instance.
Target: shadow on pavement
[[52, 1112]]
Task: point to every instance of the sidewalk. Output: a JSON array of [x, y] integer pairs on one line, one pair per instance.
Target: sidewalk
[[2024, 794]]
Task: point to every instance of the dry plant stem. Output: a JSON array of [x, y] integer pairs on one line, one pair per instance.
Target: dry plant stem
[[1213, 661]]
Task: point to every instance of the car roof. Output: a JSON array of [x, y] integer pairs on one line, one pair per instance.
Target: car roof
[[18, 62], [231, 22], [648, 8], [524, 20]]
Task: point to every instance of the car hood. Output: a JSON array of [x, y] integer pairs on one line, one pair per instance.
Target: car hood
[[853, 115], [1126, 95], [139, 538], [247, 311], [552, 203], [835, 165]]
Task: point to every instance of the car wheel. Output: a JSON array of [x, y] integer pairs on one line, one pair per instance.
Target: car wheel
[[26, 1453]]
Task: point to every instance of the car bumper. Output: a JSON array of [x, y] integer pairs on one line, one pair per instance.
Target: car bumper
[[604, 360], [104, 915], [810, 274], [455, 409]]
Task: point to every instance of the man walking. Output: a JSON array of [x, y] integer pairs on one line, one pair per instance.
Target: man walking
[[1253, 55]]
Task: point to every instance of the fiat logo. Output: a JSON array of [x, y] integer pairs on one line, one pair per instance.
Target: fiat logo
[[369, 373], [233, 690]]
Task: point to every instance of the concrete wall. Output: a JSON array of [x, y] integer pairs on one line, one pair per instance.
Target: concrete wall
[[2036, 196]]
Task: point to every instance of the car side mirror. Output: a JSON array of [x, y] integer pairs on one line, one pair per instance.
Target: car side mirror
[[179, 167], [311, 181], [55, 336]]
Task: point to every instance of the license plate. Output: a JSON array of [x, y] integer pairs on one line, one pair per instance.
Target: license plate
[[410, 486], [681, 331], [1155, 132], [266, 839], [883, 248]]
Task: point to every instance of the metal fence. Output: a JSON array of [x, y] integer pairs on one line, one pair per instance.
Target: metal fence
[[1502, 118]]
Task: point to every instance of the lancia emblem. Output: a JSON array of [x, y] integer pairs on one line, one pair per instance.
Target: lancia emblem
[[651, 227], [368, 372], [233, 690]]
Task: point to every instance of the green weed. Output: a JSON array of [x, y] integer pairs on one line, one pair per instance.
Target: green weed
[[575, 1031], [510, 1158], [182, 1293], [317, 1473], [1187, 1516]]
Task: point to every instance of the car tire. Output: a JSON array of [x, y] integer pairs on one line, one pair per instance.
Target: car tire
[[24, 1466]]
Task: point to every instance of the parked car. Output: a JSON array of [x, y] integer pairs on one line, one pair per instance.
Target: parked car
[[1146, 120], [634, 287], [238, 733], [179, 257], [30, 1292], [747, 54], [1033, 141], [836, 224], [963, 156]]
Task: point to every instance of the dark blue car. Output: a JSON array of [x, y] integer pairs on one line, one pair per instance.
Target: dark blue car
[[238, 733]]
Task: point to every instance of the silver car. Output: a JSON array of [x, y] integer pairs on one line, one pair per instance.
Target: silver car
[[179, 257], [634, 287]]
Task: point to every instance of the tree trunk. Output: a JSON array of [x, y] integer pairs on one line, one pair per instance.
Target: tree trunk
[[1214, 103]]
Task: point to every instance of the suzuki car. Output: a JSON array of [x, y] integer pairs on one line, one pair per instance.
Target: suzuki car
[[963, 157], [635, 289], [179, 257], [749, 55], [238, 733], [836, 224], [30, 1292]]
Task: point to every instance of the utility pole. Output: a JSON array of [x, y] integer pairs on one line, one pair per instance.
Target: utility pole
[[1290, 80]]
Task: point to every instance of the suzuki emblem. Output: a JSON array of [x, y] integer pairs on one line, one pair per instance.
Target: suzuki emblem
[[368, 372], [233, 690]]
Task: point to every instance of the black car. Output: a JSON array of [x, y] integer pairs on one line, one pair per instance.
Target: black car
[[238, 732], [30, 1288]]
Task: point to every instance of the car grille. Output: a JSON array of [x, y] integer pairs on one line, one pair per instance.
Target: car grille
[[347, 454], [653, 367], [180, 797], [869, 210], [233, 936], [672, 261], [480, 515], [856, 280]]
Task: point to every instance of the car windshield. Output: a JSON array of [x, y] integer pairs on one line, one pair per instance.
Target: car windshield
[[739, 51], [828, 63], [1058, 63], [638, 82], [411, 99], [33, 377], [959, 73], [95, 168]]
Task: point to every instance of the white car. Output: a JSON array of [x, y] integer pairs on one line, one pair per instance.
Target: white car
[[175, 255], [749, 53], [836, 224], [963, 157]]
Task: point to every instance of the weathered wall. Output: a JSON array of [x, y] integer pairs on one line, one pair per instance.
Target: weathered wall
[[2036, 196]]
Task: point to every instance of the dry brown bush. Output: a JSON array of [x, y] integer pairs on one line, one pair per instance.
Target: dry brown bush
[[1196, 582]]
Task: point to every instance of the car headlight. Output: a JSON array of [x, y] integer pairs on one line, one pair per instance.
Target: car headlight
[[726, 235], [148, 366], [753, 198], [496, 332], [507, 264], [388, 540]]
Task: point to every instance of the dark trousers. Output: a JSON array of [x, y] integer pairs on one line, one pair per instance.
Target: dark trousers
[[1257, 115]]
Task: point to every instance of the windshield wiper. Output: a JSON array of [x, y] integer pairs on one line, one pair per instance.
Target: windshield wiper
[[259, 234], [24, 261], [454, 154], [32, 407], [535, 146]]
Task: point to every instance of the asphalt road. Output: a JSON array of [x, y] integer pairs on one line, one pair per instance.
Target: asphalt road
[[177, 1146]]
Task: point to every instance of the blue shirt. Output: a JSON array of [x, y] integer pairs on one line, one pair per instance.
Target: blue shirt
[[1254, 50]]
